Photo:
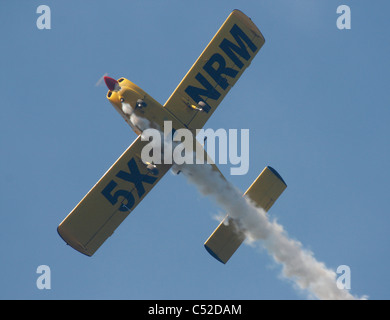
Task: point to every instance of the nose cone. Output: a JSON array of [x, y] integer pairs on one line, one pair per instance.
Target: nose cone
[[110, 83]]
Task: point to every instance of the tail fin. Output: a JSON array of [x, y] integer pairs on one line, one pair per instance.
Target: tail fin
[[227, 238]]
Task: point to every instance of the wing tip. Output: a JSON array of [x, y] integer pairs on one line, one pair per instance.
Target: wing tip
[[248, 21], [71, 241], [213, 254], [277, 174]]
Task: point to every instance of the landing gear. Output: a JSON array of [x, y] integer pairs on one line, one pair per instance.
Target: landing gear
[[200, 107], [175, 170], [152, 168], [140, 104]]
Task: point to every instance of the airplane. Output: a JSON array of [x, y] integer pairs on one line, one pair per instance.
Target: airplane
[[129, 180]]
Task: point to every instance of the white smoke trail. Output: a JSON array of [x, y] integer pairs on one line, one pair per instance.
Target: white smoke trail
[[299, 265]]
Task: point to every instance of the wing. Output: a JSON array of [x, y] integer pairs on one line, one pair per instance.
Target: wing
[[227, 238], [110, 201], [218, 68]]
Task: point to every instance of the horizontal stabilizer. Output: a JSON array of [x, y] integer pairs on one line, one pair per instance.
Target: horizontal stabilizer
[[227, 238]]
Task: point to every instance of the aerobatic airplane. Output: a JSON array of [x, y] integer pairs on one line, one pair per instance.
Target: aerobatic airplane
[[192, 103]]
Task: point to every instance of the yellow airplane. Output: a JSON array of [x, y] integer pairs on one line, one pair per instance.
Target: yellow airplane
[[192, 103]]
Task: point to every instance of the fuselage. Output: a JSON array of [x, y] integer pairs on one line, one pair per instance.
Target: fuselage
[[139, 109]]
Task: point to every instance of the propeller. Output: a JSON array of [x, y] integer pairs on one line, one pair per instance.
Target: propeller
[[112, 84]]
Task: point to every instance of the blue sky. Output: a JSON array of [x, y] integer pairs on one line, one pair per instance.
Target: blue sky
[[316, 101]]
